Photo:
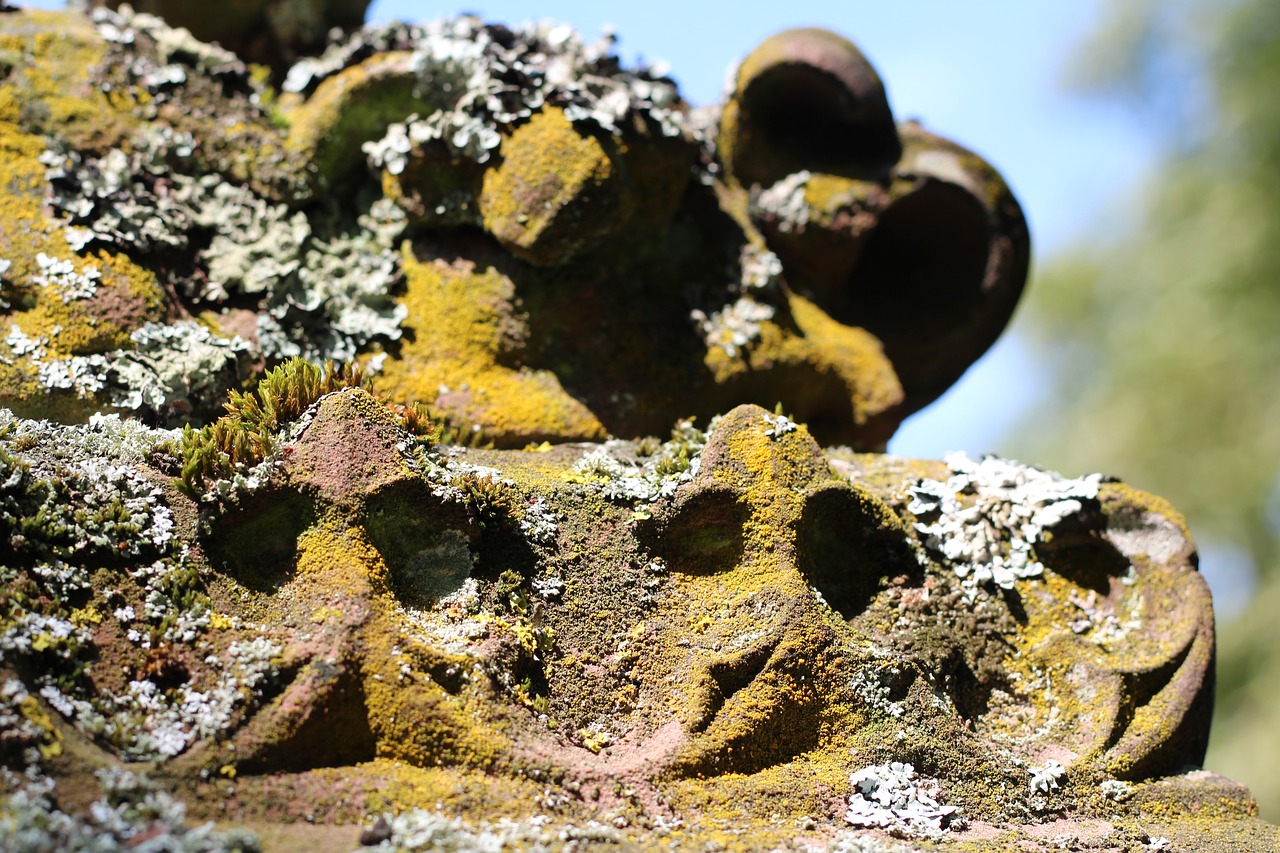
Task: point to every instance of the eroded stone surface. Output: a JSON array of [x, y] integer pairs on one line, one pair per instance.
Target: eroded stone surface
[[733, 636], [478, 213], [320, 620]]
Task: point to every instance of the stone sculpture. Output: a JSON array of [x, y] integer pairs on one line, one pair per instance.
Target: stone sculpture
[[455, 593]]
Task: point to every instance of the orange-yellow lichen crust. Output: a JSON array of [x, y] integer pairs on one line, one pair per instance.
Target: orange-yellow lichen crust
[[461, 320], [556, 192]]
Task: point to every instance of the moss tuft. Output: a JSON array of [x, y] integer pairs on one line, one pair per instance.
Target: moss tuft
[[247, 434]]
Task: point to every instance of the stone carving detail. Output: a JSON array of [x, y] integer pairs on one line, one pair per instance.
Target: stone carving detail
[[455, 593]]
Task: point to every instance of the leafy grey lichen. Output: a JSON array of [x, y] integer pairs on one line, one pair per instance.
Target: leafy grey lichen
[[779, 425], [474, 80], [734, 326], [539, 523], [851, 842], [784, 203], [131, 814], [70, 281], [619, 476], [761, 270], [424, 830], [120, 199], [176, 368], [755, 275], [175, 48], [172, 370], [74, 499], [23, 740], [986, 519], [1047, 777], [147, 722], [894, 798], [1103, 621], [324, 281], [340, 300], [255, 244], [350, 49], [1115, 790], [874, 684]]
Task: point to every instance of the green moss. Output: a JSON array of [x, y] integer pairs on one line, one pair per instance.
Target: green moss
[[247, 434]]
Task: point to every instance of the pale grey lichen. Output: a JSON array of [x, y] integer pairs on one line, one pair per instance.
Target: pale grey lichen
[[548, 588], [85, 376], [894, 798], [734, 326], [323, 278], [118, 199], [1115, 789], [849, 841], [784, 203], [1047, 777], [131, 815], [323, 283], [175, 47], [340, 300], [149, 723], [987, 518], [21, 737], [176, 368], [613, 470], [761, 270], [348, 50], [873, 683], [84, 485], [779, 425], [171, 371], [755, 276], [1103, 621], [418, 829], [474, 80], [66, 278], [539, 522], [76, 498], [255, 244]]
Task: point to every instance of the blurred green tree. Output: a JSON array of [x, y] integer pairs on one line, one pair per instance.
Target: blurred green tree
[[1163, 328]]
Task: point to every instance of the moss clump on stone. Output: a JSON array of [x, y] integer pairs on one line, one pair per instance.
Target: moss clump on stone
[[249, 432]]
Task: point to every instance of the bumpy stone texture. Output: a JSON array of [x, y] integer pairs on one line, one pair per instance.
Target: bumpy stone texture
[[727, 637], [504, 224], [323, 620]]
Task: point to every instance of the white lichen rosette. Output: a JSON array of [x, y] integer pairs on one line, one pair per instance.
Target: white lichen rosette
[[986, 519], [893, 797]]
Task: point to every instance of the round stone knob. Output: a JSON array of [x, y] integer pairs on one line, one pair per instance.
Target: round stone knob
[[807, 99]]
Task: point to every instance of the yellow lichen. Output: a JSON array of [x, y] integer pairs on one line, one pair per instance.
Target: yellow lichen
[[459, 318], [351, 107], [555, 192]]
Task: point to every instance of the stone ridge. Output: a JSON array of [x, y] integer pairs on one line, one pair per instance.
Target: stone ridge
[[731, 636]]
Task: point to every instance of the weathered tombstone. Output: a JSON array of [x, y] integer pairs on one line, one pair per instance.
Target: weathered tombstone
[[455, 594]]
